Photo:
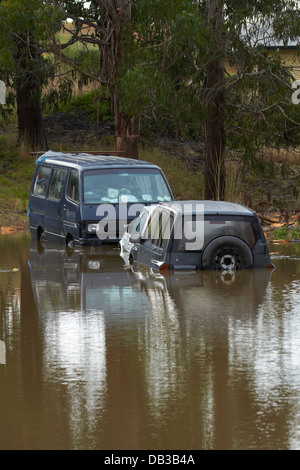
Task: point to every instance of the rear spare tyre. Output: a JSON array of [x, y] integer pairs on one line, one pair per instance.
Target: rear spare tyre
[[227, 253]]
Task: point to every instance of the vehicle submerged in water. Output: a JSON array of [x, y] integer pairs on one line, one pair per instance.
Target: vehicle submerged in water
[[71, 193], [211, 235]]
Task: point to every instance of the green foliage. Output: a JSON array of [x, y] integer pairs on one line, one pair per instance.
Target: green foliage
[[286, 233], [162, 70], [295, 232], [160, 78], [88, 102], [34, 20], [167, 49], [281, 233], [58, 96], [25, 29]]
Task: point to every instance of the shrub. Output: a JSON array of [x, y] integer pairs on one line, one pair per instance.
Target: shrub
[[88, 103], [281, 233]]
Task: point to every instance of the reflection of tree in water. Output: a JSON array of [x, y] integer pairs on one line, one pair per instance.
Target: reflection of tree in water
[[10, 282], [264, 352], [2, 352]]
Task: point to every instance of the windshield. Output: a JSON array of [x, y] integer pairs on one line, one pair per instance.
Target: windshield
[[126, 186]]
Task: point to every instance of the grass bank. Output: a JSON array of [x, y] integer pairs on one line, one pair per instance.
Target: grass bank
[[16, 169]]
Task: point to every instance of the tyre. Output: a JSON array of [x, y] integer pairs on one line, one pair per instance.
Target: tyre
[[41, 237], [227, 253]]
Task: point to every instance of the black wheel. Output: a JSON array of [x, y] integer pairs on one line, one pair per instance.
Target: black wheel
[[227, 253], [69, 240], [69, 245], [41, 237]]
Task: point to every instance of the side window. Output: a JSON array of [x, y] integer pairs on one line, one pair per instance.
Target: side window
[[142, 221], [160, 228], [167, 225], [234, 227], [163, 229], [57, 182], [151, 231], [41, 181], [73, 186]]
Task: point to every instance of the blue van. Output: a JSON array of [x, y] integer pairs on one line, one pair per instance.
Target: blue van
[[82, 199]]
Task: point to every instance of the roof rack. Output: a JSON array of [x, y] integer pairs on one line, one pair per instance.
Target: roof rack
[[115, 153]]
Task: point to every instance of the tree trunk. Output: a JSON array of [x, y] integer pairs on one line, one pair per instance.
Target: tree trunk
[[29, 109], [126, 134], [215, 137], [111, 52], [30, 119]]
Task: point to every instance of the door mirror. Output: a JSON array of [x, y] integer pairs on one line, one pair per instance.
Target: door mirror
[[135, 238]]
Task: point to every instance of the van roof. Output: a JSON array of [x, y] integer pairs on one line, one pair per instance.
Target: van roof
[[82, 161], [210, 207]]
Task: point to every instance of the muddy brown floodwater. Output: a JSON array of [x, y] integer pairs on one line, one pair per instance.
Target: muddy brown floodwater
[[94, 355]]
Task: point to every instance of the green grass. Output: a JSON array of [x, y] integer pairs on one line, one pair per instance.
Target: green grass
[[16, 172], [15, 180], [185, 184]]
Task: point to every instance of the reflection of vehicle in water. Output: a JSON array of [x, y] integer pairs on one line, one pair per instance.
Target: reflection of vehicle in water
[[234, 292], [96, 279], [79, 279]]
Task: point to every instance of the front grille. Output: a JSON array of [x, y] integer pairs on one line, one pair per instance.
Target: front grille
[[112, 232]]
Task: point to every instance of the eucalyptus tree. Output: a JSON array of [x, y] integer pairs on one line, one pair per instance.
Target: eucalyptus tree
[[255, 96], [100, 23], [25, 27], [203, 69]]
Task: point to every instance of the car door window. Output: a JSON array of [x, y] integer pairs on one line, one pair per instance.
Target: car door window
[[41, 181], [153, 228], [166, 228], [73, 186], [57, 183], [160, 228]]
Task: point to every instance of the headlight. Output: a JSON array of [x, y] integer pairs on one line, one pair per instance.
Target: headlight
[[91, 228], [94, 264]]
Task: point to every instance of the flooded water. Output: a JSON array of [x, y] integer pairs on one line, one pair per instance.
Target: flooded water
[[96, 356]]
